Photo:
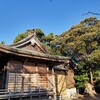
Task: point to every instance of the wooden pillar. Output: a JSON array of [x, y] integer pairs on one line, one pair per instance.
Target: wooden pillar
[[22, 87], [23, 78], [29, 81], [15, 83], [20, 97], [66, 82], [54, 87], [47, 79], [7, 76], [37, 77], [37, 81], [30, 95], [66, 78]]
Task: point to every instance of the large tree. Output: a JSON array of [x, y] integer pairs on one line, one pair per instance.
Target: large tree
[[82, 43]]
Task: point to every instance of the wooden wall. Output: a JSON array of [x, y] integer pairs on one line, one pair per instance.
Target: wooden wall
[[63, 81], [34, 47], [70, 79], [29, 76], [38, 76], [14, 75], [60, 83]]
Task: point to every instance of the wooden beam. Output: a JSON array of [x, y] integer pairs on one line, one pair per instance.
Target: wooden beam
[[7, 75], [54, 88]]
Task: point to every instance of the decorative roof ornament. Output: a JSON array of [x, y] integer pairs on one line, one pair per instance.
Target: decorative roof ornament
[[33, 42]]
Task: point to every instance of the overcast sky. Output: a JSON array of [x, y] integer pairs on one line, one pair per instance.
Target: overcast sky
[[57, 16]]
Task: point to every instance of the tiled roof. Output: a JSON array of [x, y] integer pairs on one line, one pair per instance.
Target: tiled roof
[[30, 54]]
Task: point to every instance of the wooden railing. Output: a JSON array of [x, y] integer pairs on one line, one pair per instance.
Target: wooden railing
[[9, 94]]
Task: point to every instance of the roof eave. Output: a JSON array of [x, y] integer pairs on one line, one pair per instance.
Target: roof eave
[[36, 55]]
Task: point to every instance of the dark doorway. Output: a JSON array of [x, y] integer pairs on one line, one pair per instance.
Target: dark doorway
[[3, 67]]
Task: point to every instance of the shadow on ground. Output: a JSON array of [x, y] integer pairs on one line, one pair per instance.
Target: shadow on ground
[[95, 97]]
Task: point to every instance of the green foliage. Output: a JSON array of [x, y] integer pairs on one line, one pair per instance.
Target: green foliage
[[81, 80], [39, 33], [3, 42], [96, 75], [21, 36], [91, 21], [47, 39], [82, 43], [95, 56]]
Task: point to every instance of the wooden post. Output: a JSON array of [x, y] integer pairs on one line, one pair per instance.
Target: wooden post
[[30, 94], [22, 87], [66, 81], [37, 81], [39, 94], [54, 89], [37, 77], [47, 78], [47, 82], [15, 83], [29, 81], [9, 95], [21, 94], [7, 76], [20, 97]]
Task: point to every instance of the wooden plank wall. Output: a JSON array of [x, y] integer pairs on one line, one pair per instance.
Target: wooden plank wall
[[29, 46], [15, 78], [42, 76], [60, 83], [38, 76], [64, 80], [15, 82], [70, 79], [29, 76]]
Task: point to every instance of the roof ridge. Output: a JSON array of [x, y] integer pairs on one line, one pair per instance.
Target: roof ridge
[[22, 41]]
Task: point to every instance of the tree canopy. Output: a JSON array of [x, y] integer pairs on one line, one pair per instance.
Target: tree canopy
[[3, 42]]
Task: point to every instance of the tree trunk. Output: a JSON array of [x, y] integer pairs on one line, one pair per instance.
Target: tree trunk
[[91, 77]]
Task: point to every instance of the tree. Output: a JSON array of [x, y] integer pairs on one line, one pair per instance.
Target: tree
[[39, 34], [93, 13], [21, 36], [47, 39], [3, 42], [82, 43]]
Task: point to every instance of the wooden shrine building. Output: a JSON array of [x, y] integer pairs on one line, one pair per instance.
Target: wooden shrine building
[[28, 71]]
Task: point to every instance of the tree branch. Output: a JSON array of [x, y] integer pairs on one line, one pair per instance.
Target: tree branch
[[93, 13]]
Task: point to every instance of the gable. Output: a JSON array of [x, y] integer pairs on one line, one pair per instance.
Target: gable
[[30, 43], [32, 47]]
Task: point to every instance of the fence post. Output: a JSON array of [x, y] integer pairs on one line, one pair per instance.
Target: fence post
[[9, 94], [30, 94], [20, 97], [39, 94], [21, 94]]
